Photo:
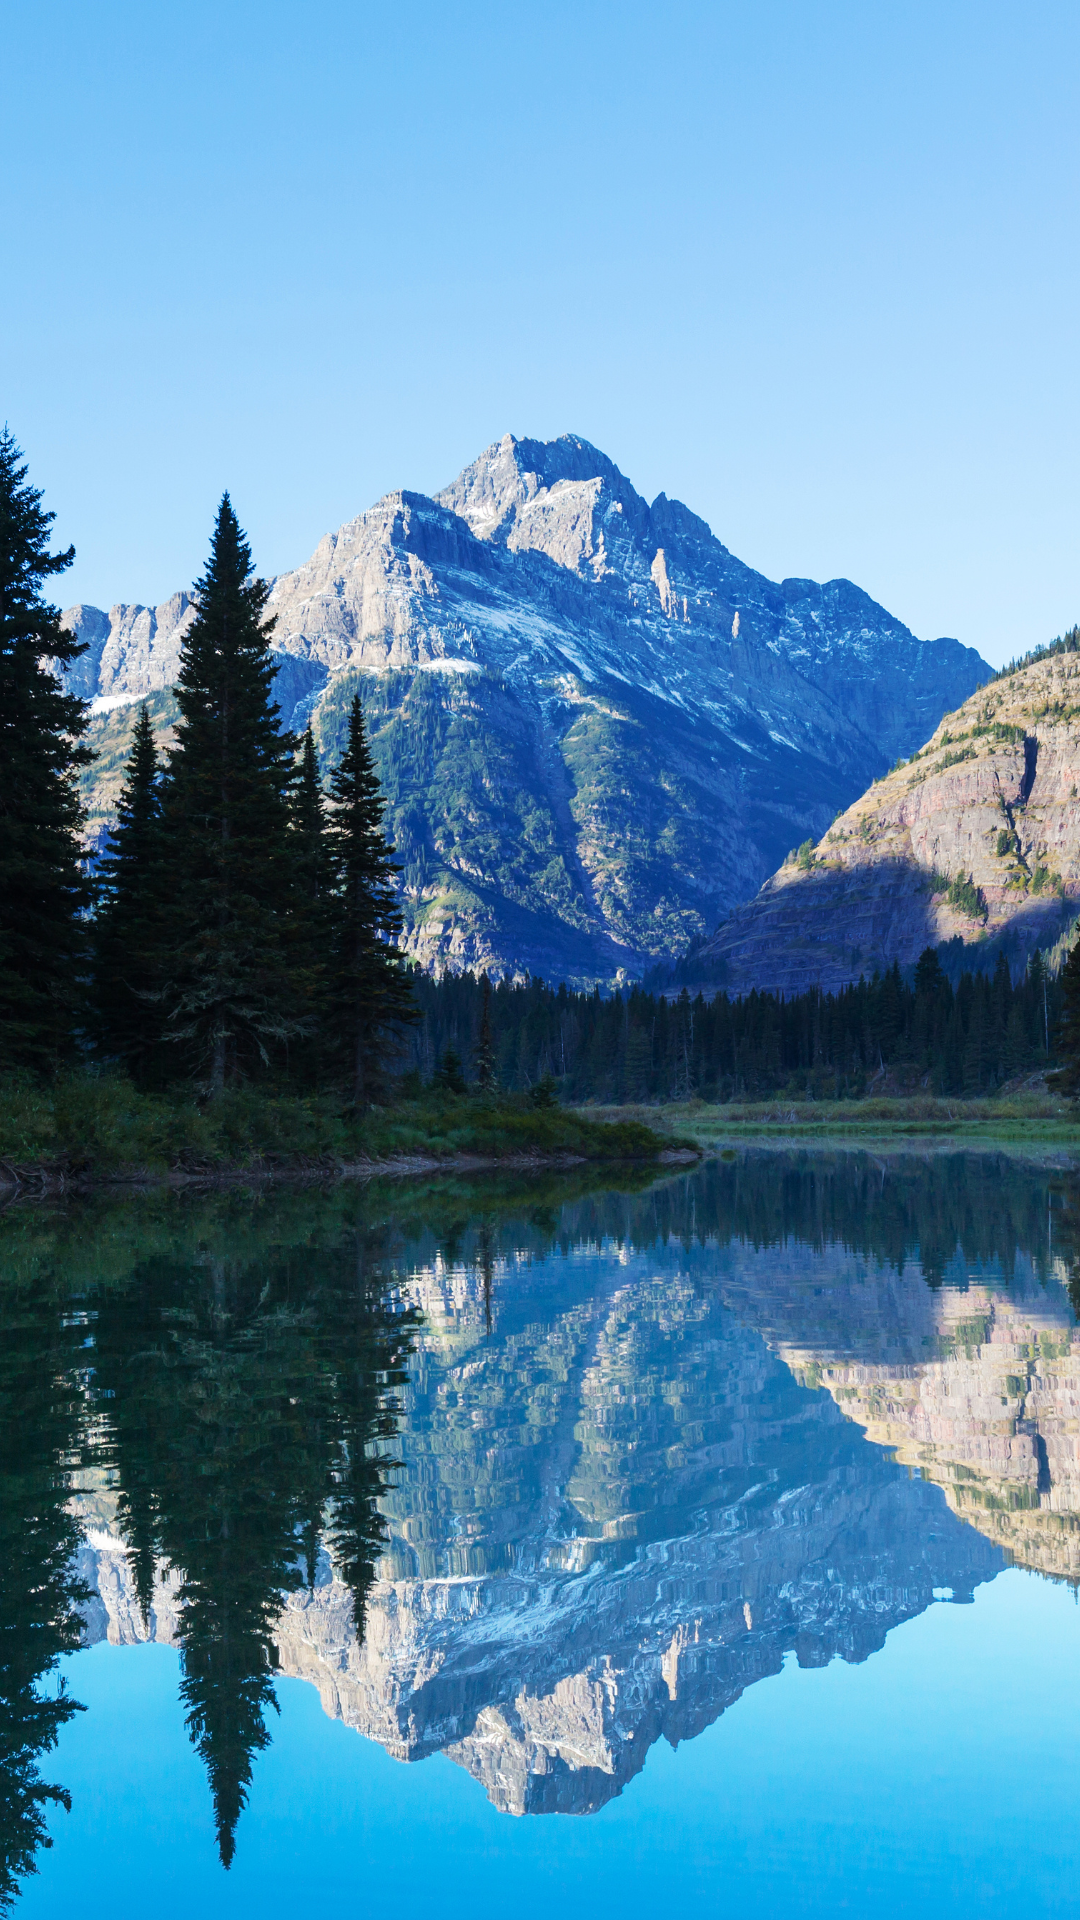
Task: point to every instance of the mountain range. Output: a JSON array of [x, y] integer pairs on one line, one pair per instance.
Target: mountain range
[[975, 838], [597, 730], [622, 1501]]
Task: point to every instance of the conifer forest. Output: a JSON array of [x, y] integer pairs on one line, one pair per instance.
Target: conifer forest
[[241, 925]]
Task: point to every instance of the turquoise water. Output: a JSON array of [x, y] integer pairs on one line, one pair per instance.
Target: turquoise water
[[710, 1542]]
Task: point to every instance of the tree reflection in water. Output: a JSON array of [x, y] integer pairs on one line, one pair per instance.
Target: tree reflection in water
[[40, 1427], [240, 1404], [223, 1373]]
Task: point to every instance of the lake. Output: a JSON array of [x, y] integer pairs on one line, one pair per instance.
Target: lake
[[591, 1541]]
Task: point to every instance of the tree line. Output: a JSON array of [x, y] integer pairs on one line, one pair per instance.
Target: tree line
[[232, 1368], [641, 1046], [233, 1379], [243, 921]]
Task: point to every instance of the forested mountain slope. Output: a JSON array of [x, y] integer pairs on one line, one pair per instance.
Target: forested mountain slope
[[595, 726], [977, 837]]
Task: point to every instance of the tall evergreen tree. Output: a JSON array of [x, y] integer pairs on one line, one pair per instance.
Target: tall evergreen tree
[[485, 1044], [242, 1397], [312, 882], [41, 1410], [43, 892], [369, 992], [130, 927], [1067, 1078], [231, 995], [213, 1425]]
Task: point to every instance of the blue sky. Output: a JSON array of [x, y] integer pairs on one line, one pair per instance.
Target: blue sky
[[811, 267]]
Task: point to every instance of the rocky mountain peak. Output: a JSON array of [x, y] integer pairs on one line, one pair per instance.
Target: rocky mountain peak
[[593, 722]]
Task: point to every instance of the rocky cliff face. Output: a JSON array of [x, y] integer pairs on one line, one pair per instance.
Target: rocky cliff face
[[991, 799], [595, 726], [617, 1509], [131, 651], [978, 1389]]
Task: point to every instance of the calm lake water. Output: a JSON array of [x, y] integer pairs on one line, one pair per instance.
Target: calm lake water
[[709, 1543]]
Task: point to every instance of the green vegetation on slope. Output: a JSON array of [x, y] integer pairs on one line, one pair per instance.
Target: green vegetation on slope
[[101, 1126]]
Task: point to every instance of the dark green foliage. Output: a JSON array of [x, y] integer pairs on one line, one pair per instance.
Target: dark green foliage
[[40, 1418], [310, 919], [230, 999], [130, 952], [238, 1403], [106, 1124], [966, 897], [110, 737], [448, 1074], [485, 1039], [1065, 643], [369, 995], [1067, 1079], [966, 1038], [43, 892]]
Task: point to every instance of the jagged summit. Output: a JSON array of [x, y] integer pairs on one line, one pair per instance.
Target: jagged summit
[[597, 727]]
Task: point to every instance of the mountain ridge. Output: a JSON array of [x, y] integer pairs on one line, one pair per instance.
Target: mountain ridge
[[975, 838], [594, 725], [617, 1509]]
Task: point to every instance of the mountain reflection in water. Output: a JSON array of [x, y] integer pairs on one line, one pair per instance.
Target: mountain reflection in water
[[524, 1473]]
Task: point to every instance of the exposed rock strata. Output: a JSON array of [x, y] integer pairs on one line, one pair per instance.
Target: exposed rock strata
[[992, 1418], [595, 726], [991, 798], [617, 1510], [134, 652]]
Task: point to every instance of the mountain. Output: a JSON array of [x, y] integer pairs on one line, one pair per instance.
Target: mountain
[[617, 1509], [976, 837], [974, 1390], [596, 727]]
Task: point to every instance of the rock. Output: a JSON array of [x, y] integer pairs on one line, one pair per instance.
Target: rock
[[991, 799], [595, 726], [616, 1511]]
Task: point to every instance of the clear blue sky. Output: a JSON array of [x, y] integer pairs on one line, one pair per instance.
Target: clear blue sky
[[810, 266]]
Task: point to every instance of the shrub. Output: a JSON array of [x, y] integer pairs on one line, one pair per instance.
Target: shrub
[[967, 898]]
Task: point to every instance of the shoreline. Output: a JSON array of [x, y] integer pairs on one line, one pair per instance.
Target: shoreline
[[45, 1181]]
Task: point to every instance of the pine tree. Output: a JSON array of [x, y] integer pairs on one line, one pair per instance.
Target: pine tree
[[449, 1077], [130, 928], [1038, 989], [369, 993], [213, 1422], [41, 1405], [231, 995], [312, 883], [1067, 1078], [485, 1044], [43, 891]]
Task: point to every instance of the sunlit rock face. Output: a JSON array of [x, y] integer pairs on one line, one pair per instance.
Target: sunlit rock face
[[616, 1511], [981, 1393], [991, 798], [617, 1508], [596, 727]]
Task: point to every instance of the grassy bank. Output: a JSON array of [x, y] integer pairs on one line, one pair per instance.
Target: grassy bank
[[1023, 1114], [98, 1127]]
